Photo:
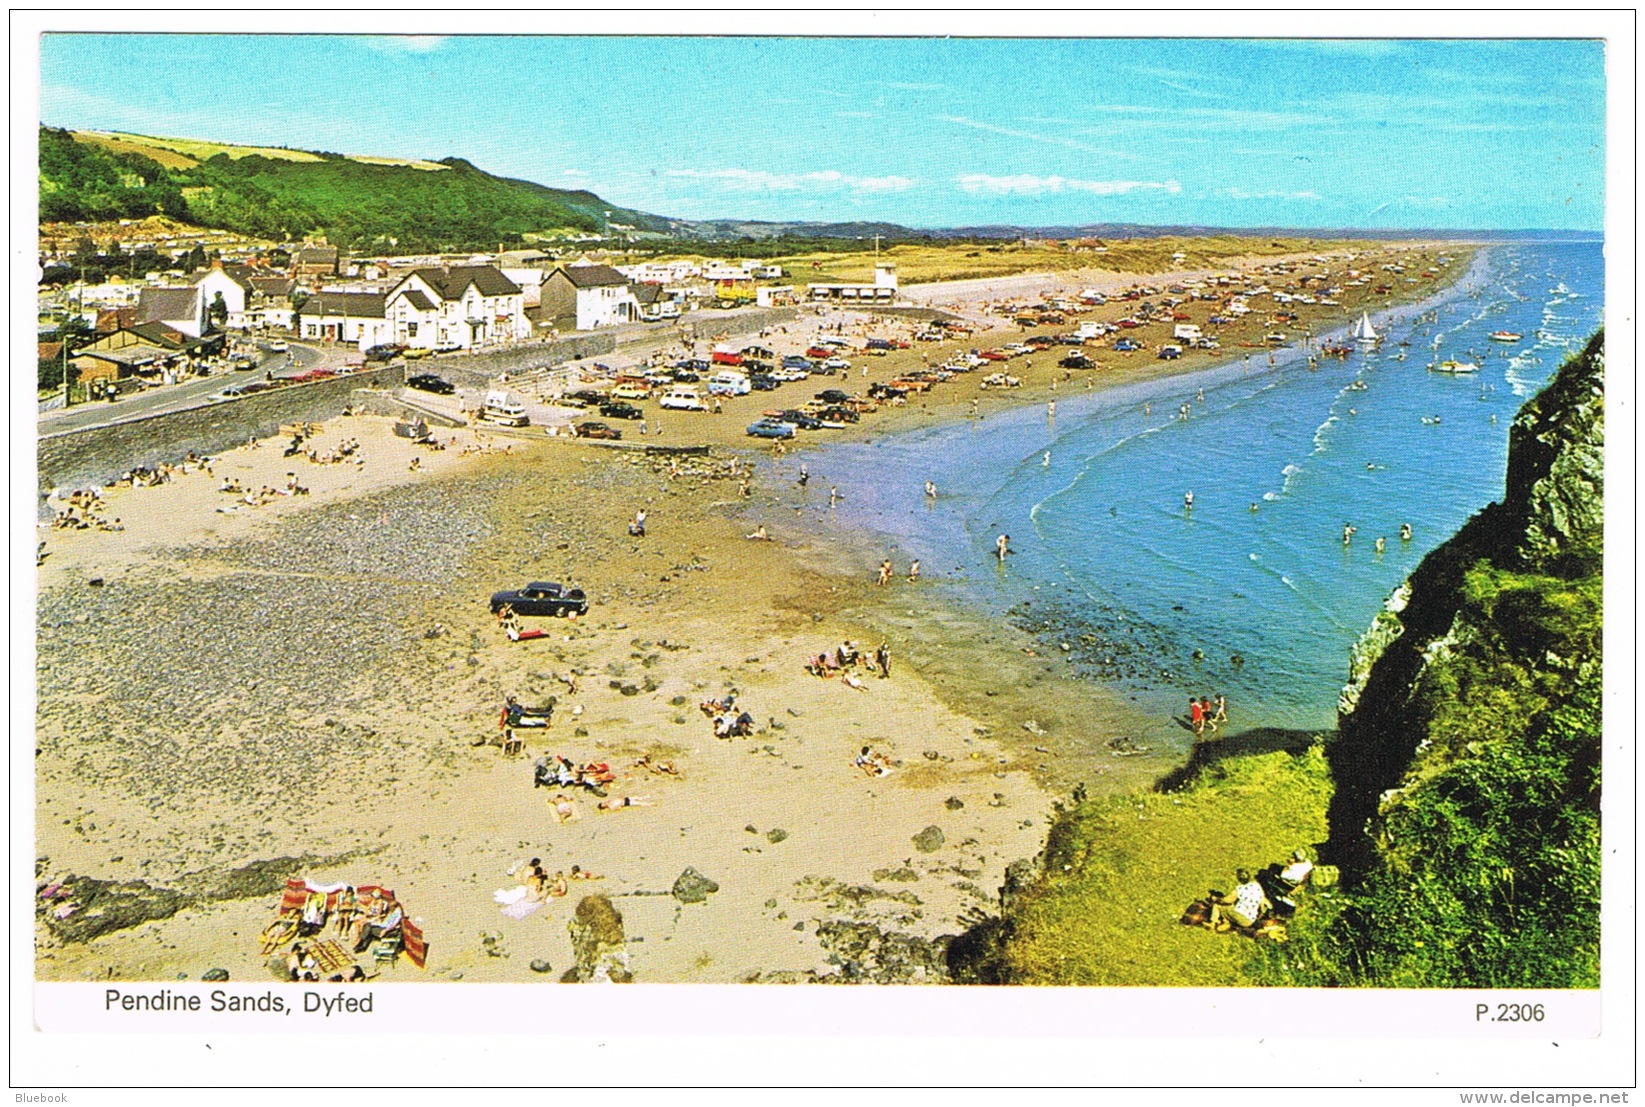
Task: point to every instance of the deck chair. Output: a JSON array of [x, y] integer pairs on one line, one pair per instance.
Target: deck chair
[[288, 919]]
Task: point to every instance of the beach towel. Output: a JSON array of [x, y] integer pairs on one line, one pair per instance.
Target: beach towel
[[330, 957], [510, 895], [522, 909]]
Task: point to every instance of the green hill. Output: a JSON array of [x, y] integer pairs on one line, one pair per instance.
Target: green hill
[[356, 203]]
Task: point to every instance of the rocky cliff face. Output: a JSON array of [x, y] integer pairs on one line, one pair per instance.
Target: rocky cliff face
[[1503, 602]]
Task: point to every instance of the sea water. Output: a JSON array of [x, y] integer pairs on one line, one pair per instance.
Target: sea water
[[1252, 593]]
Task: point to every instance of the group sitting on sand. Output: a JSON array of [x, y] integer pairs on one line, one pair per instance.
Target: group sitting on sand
[[556, 771], [846, 657], [728, 721], [872, 763]]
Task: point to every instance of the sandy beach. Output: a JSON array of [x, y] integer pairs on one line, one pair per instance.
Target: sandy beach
[[319, 679]]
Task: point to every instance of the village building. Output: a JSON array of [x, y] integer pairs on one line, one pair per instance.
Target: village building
[[147, 349], [588, 295], [883, 290], [356, 318], [463, 307], [314, 261]]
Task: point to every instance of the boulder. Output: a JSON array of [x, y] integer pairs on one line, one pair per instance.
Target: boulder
[[693, 887], [929, 840]]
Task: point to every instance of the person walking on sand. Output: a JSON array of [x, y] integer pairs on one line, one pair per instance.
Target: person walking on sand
[[914, 571], [1221, 715], [1196, 717], [885, 572], [833, 495], [1207, 714], [882, 660], [805, 475]]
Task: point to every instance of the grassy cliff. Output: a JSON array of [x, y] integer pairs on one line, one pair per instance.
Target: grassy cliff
[[283, 194], [1460, 796]]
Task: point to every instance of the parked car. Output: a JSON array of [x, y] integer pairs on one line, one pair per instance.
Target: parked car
[[682, 398], [428, 382], [617, 409], [1169, 353], [279, 346], [685, 376], [694, 365], [770, 428], [823, 352], [542, 597], [597, 430], [795, 361], [1125, 345], [1075, 361], [584, 397], [386, 352], [631, 391], [800, 419], [790, 374], [833, 395], [836, 363], [763, 382]]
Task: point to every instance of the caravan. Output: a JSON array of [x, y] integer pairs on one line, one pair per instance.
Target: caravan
[[504, 409]]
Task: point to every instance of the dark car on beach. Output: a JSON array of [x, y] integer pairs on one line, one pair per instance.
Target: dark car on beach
[[800, 419], [833, 396], [617, 409], [770, 428], [542, 597], [760, 382], [1075, 361], [428, 382], [598, 430]]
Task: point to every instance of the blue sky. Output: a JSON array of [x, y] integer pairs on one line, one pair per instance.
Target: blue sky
[[926, 132]]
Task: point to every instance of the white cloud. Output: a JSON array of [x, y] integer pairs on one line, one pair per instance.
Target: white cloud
[[825, 180], [1027, 185], [1272, 194], [572, 173]]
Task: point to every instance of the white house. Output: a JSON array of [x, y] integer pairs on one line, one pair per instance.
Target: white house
[[595, 295], [462, 307], [357, 318]]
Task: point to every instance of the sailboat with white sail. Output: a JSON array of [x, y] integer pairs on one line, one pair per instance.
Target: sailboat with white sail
[[1364, 333]]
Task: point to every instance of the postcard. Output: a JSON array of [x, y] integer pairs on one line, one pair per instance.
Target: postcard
[[1110, 530]]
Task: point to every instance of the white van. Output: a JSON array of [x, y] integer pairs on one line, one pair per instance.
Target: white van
[[502, 408], [1186, 332], [728, 384], [682, 397]]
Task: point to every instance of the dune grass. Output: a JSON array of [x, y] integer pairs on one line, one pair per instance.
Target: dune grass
[[924, 264], [1120, 871]]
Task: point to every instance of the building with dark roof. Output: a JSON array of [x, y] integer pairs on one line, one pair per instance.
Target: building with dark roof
[[358, 318], [460, 307], [588, 296]]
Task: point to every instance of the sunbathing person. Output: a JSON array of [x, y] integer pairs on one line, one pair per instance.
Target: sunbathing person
[[616, 802], [578, 873], [559, 886], [564, 809]]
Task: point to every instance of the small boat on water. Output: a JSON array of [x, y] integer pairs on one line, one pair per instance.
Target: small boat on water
[[1505, 336], [1364, 332], [1455, 368]]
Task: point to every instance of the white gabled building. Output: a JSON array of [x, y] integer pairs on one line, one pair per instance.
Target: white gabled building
[[463, 307], [357, 318], [592, 295]]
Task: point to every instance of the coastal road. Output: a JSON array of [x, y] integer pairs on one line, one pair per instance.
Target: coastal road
[[187, 394]]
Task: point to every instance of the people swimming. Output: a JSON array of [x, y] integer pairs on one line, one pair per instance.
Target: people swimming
[[1405, 532], [1045, 462], [1348, 530], [1002, 546], [930, 490], [1188, 501], [1382, 544]]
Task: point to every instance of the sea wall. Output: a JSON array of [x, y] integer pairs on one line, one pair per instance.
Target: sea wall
[[98, 455], [478, 369]]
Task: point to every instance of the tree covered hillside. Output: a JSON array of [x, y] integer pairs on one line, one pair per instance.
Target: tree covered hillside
[[354, 204]]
